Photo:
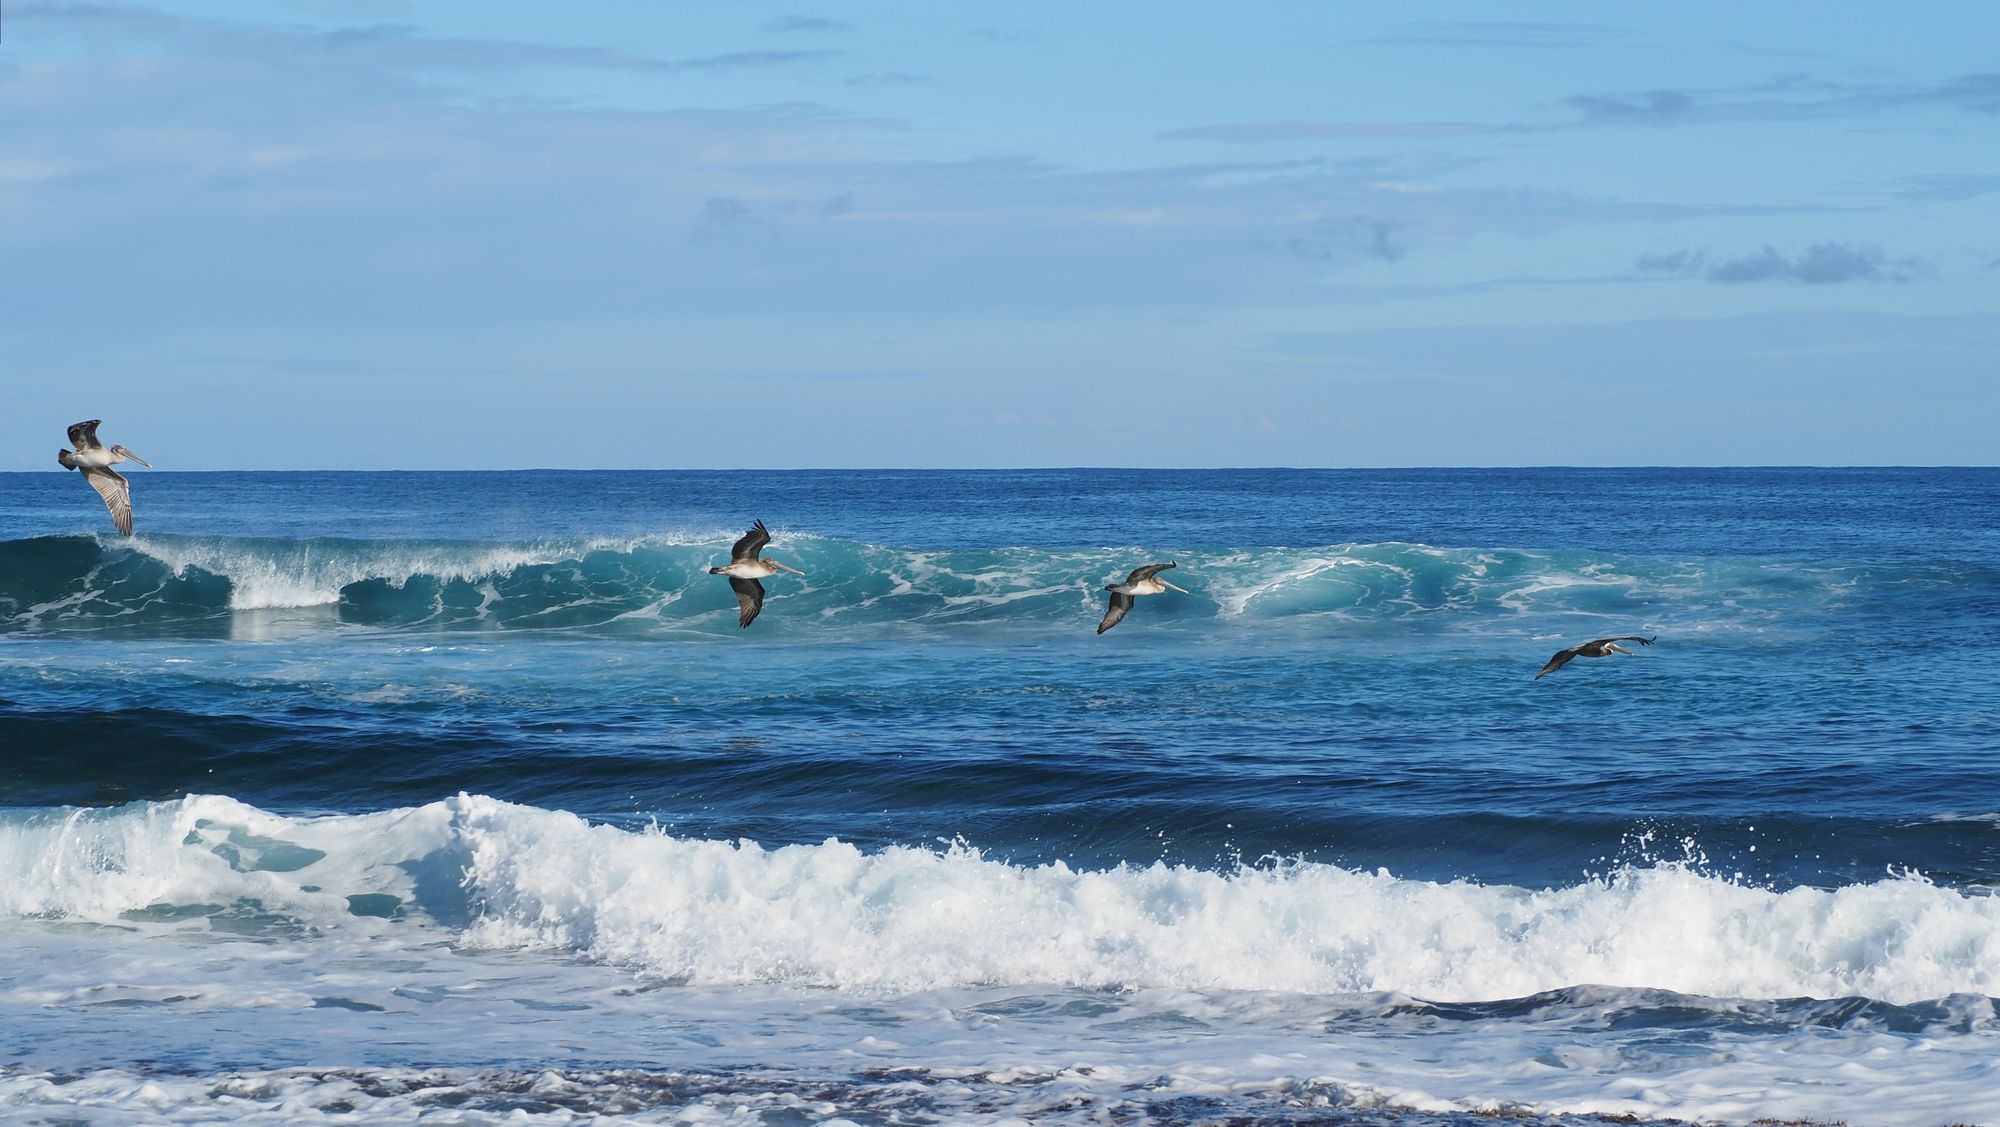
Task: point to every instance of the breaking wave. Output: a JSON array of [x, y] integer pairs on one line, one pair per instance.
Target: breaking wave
[[901, 919], [80, 582]]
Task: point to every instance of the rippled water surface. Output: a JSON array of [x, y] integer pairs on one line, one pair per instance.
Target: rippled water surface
[[404, 793]]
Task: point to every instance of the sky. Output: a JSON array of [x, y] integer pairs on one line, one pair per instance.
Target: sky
[[374, 234]]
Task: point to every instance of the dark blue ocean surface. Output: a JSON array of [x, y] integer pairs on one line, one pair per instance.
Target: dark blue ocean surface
[[1350, 681], [1848, 514], [1326, 772]]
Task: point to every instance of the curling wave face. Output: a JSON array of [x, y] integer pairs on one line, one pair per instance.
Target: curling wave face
[[638, 584]]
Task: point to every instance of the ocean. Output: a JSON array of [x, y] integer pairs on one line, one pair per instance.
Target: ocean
[[462, 798]]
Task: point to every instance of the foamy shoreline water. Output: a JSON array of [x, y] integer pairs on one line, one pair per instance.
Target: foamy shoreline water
[[935, 981], [503, 876]]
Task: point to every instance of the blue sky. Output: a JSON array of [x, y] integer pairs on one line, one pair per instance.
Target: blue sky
[[403, 234]]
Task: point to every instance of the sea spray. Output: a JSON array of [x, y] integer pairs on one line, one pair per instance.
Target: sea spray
[[902, 919]]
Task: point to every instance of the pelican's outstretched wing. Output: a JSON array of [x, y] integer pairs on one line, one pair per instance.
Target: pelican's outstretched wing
[[752, 543], [83, 435], [1557, 662], [749, 599], [117, 494], [1116, 614], [1628, 638], [1147, 572]]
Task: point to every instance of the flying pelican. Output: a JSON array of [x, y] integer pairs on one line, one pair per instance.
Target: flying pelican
[[1602, 647], [1142, 581], [745, 569], [95, 460]]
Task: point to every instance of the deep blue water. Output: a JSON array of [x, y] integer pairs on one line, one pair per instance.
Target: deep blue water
[[1349, 682], [1347, 693]]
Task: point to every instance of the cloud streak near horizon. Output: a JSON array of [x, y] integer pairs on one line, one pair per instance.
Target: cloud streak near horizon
[[1820, 264]]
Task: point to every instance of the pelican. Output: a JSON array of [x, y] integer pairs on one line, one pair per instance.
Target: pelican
[[745, 569], [1602, 647], [95, 460], [1142, 581]]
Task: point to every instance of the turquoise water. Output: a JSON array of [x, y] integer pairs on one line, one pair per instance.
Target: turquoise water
[[370, 785]]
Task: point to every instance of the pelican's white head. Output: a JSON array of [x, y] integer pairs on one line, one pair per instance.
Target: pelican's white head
[[124, 454]]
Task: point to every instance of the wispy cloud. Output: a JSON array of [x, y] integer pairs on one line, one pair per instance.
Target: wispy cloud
[[724, 211], [1673, 262], [719, 214], [253, 148], [1948, 187], [1788, 98], [820, 376], [1347, 239], [795, 24], [1654, 107], [27, 170], [393, 46], [1818, 265], [885, 79], [1979, 93], [1503, 33], [737, 60], [1266, 132], [354, 9], [1821, 264]]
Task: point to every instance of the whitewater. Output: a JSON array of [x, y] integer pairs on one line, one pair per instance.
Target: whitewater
[[309, 813]]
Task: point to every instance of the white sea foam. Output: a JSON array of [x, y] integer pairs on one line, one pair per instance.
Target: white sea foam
[[554, 1043], [98, 864], [276, 574], [154, 948], [268, 575], [904, 919]]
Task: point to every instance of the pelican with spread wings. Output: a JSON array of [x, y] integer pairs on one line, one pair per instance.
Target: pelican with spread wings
[[1142, 581], [1602, 647], [746, 567], [94, 460]]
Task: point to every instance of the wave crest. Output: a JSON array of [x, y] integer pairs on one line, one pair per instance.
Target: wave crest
[[56, 583], [903, 919]]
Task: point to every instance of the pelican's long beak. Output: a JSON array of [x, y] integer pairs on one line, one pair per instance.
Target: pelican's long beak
[[1171, 587], [783, 567], [138, 459]]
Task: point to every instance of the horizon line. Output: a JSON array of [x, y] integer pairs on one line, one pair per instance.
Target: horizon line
[[1063, 469]]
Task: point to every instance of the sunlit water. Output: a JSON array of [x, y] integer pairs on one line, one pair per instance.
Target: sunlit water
[[400, 796]]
